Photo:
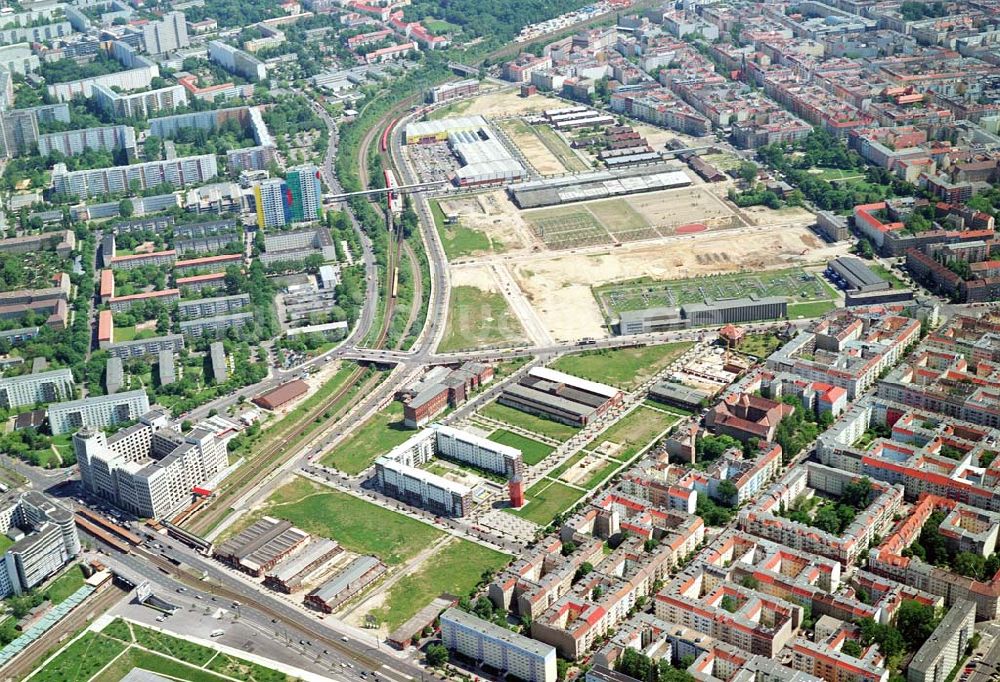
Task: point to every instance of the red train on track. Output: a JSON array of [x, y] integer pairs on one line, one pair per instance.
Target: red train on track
[[384, 145]]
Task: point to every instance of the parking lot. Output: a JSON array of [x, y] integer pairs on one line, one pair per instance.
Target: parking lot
[[432, 162]]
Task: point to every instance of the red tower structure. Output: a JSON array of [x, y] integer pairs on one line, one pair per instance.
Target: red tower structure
[[516, 489]]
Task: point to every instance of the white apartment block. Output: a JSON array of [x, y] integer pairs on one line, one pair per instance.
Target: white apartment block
[[945, 647], [149, 469], [139, 73], [237, 61], [209, 307], [97, 411], [31, 389], [139, 104], [73, 142], [498, 647], [422, 488], [47, 539], [479, 452], [180, 172], [166, 35]]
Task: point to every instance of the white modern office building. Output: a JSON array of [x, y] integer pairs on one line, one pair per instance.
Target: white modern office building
[[97, 411], [150, 469], [31, 389], [498, 647]]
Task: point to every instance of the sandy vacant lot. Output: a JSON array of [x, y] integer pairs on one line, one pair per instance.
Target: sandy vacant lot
[[476, 276], [761, 215], [559, 287], [493, 214], [672, 208], [509, 103], [536, 153]]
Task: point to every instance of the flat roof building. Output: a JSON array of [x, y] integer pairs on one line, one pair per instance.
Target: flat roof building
[[49, 540], [513, 654], [560, 396], [150, 469], [733, 310], [165, 367], [97, 411], [143, 347], [217, 356], [945, 647], [29, 389], [851, 274], [422, 488], [113, 375]]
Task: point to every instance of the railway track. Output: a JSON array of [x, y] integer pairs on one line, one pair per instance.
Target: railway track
[[305, 625], [275, 454]]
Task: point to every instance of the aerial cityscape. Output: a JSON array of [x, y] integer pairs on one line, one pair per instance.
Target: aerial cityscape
[[500, 341]]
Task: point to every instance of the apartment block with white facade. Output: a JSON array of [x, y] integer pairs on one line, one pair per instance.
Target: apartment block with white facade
[[452, 443], [179, 172], [46, 538], [498, 647], [103, 138], [29, 389], [97, 411]]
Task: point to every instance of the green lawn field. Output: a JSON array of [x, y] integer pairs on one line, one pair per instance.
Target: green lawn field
[[567, 464], [65, 585], [167, 655], [459, 241], [814, 309], [533, 452], [81, 660], [357, 525], [832, 174], [381, 433], [625, 368], [546, 499], [888, 275], [454, 569], [635, 431], [562, 151], [479, 319], [529, 422], [123, 334], [760, 345], [453, 109]]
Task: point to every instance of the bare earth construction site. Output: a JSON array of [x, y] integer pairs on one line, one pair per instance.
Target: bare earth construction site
[[547, 254]]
